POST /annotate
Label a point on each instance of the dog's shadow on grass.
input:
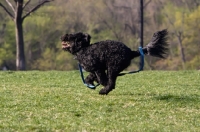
(178, 98)
(167, 97)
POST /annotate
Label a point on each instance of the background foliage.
(113, 19)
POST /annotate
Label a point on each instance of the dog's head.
(75, 42)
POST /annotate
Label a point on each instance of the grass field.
(149, 101)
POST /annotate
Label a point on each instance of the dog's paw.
(104, 91)
(87, 81)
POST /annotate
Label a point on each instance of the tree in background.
(103, 19)
(15, 11)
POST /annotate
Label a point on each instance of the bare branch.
(196, 3)
(10, 5)
(26, 3)
(170, 21)
(147, 3)
(131, 28)
(122, 7)
(9, 13)
(36, 7)
(107, 24)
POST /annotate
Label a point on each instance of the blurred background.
(102, 19)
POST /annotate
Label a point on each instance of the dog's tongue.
(65, 45)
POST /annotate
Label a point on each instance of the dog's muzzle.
(65, 45)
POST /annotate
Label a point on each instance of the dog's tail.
(157, 47)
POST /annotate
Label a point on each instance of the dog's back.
(106, 54)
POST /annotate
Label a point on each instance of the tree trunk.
(20, 57)
(18, 19)
(181, 50)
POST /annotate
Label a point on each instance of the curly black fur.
(106, 59)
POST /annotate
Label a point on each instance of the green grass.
(149, 101)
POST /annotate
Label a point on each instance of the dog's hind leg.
(112, 76)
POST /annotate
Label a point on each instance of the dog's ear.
(87, 38)
(64, 37)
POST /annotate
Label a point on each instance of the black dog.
(106, 59)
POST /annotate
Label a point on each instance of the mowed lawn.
(149, 101)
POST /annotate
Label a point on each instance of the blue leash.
(82, 77)
(141, 63)
(121, 74)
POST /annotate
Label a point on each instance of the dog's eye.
(65, 43)
(68, 43)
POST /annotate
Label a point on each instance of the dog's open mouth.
(65, 45)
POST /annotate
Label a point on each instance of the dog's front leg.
(101, 77)
(91, 78)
